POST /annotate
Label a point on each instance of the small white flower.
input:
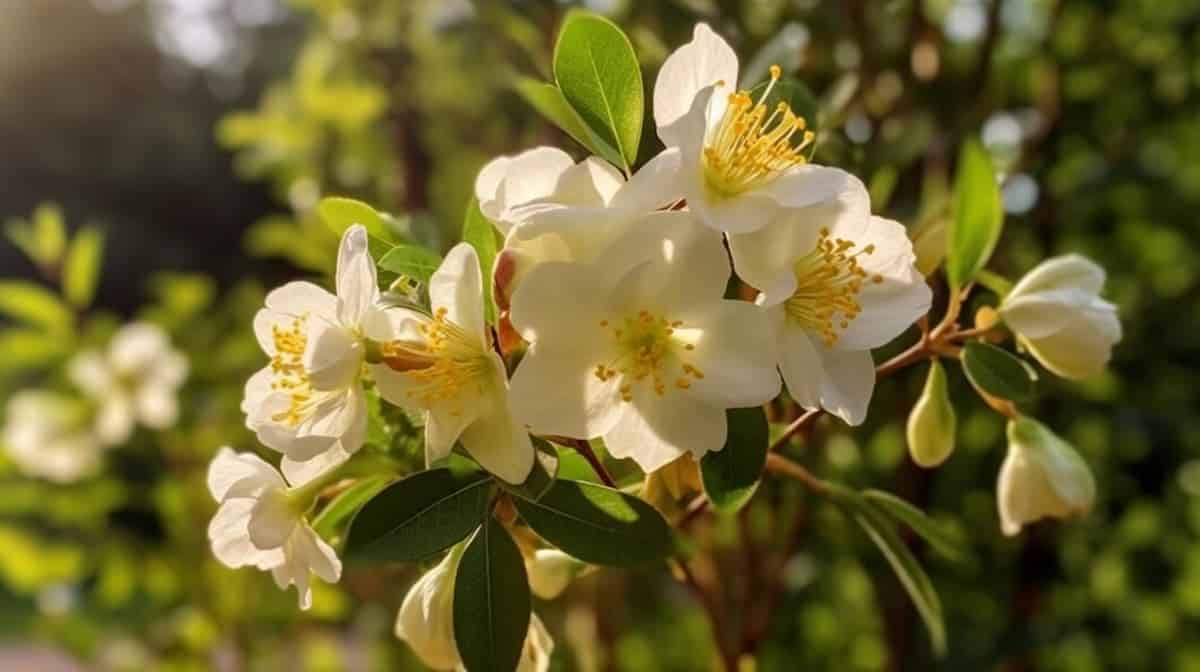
(647, 354)
(738, 162)
(308, 402)
(1041, 477)
(1058, 315)
(135, 381)
(46, 436)
(258, 525)
(444, 365)
(836, 282)
(550, 572)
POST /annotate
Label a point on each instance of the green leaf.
(412, 261)
(345, 505)
(798, 97)
(939, 539)
(998, 372)
(598, 73)
(491, 602)
(731, 475)
(27, 349)
(995, 282)
(978, 217)
(418, 516)
(34, 305)
(342, 213)
(548, 100)
(598, 524)
(49, 233)
(81, 270)
(479, 233)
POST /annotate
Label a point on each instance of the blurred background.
(196, 136)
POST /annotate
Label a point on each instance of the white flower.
(308, 402)
(550, 572)
(426, 622)
(836, 282)
(45, 435)
(645, 354)
(136, 380)
(445, 365)
(257, 524)
(738, 161)
(1041, 477)
(1058, 315)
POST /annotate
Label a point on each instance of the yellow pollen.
(287, 368)
(647, 349)
(752, 145)
(442, 364)
(828, 282)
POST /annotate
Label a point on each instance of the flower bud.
(426, 618)
(539, 645)
(1041, 477)
(932, 422)
(550, 571)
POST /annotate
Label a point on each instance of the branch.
(585, 449)
(781, 465)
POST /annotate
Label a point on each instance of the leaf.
(731, 475)
(597, 524)
(349, 502)
(978, 217)
(598, 73)
(27, 349)
(342, 213)
(479, 233)
(418, 516)
(998, 372)
(49, 233)
(798, 97)
(548, 100)
(491, 602)
(995, 282)
(411, 260)
(939, 539)
(34, 305)
(81, 270)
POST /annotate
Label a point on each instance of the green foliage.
(491, 601)
(347, 504)
(412, 261)
(997, 372)
(35, 306)
(731, 474)
(549, 101)
(941, 540)
(81, 269)
(479, 233)
(978, 217)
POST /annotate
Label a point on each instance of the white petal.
(157, 406)
(170, 370)
(654, 430)
(91, 373)
(487, 185)
(555, 300)
(539, 646)
(509, 182)
(1042, 476)
(297, 299)
(318, 555)
(332, 356)
(343, 417)
(798, 361)
(426, 618)
(555, 391)
(848, 379)
(736, 352)
(135, 346)
(1069, 271)
(298, 473)
(655, 185)
(687, 265)
(443, 427)
(229, 538)
(1082, 348)
(271, 520)
(592, 181)
(499, 445)
(895, 302)
(457, 287)
(704, 61)
(809, 184)
(357, 285)
(232, 474)
(114, 419)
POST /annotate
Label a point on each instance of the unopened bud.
(550, 571)
(426, 617)
(986, 318)
(1042, 477)
(932, 422)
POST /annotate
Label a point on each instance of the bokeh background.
(198, 135)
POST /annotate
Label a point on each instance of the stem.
(713, 611)
(585, 449)
(781, 465)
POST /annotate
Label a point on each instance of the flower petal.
(703, 62)
(500, 445)
(847, 381)
(90, 372)
(809, 184)
(229, 538)
(300, 472)
(654, 430)
(736, 353)
(298, 298)
(232, 474)
(555, 391)
(332, 356)
(899, 297)
(357, 285)
(157, 406)
(1081, 349)
(457, 287)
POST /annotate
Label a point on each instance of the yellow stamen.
(442, 364)
(647, 349)
(828, 282)
(287, 367)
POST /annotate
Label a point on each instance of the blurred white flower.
(1058, 315)
(646, 354)
(1042, 477)
(46, 435)
(836, 282)
(445, 366)
(737, 162)
(135, 381)
(259, 525)
(308, 402)
(550, 572)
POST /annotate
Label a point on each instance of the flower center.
(749, 147)
(441, 365)
(828, 282)
(647, 348)
(287, 365)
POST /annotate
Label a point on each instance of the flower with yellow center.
(639, 347)
(308, 401)
(836, 282)
(736, 159)
(443, 364)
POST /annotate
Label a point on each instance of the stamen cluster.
(828, 282)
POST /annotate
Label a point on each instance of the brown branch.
(778, 464)
(713, 611)
(585, 449)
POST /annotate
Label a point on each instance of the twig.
(585, 449)
(781, 465)
(712, 609)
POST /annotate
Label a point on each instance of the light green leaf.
(81, 270)
(491, 601)
(49, 233)
(548, 100)
(978, 217)
(342, 213)
(998, 372)
(349, 502)
(598, 524)
(731, 475)
(418, 516)
(479, 233)
(412, 261)
(995, 282)
(28, 349)
(34, 305)
(939, 539)
(598, 73)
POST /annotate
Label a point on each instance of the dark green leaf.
(418, 516)
(998, 372)
(491, 602)
(731, 474)
(978, 217)
(598, 524)
(598, 73)
(939, 539)
(479, 233)
(412, 261)
(81, 269)
(345, 505)
(548, 100)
